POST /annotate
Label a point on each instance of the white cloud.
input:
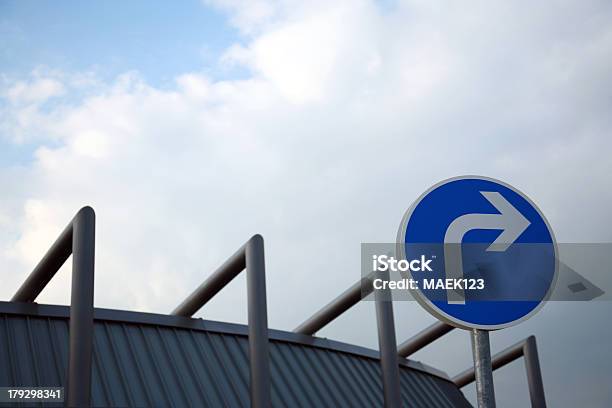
(350, 112)
(346, 105)
(35, 91)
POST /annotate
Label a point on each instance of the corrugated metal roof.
(143, 359)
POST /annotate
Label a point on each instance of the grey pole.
(388, 347)
(534, 374)
(78, 239)
(213, 285)
(336, 307)
(250, 257)
(526, 348)
(481, 352)
(497, 361)
(81, 309)
(46, 269)
(423, 338)
(258, 323)
(386, 331)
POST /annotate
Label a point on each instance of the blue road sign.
(494, 254)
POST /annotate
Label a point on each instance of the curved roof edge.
(57, 311)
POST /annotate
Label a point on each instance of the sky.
(189, 126)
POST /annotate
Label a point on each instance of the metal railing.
(335, 308)
(386, 332)
(527, 349)
(387, 345)
(250, 257)
(78, 239)
(423, 338)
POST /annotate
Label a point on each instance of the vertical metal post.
(481, 352)
(78, 386)
(258, 323)
(388, 347)
(534, 374)
(250, 257)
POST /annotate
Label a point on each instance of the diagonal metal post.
(336, 307)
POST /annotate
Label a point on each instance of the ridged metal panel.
(144, 364)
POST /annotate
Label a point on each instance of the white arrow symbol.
(509, 220)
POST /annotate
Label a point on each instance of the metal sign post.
(481, 352)
(484, 230)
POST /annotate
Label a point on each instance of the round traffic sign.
(494, 255)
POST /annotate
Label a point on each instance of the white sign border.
(433, 309)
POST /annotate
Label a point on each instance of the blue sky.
(157, 38)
